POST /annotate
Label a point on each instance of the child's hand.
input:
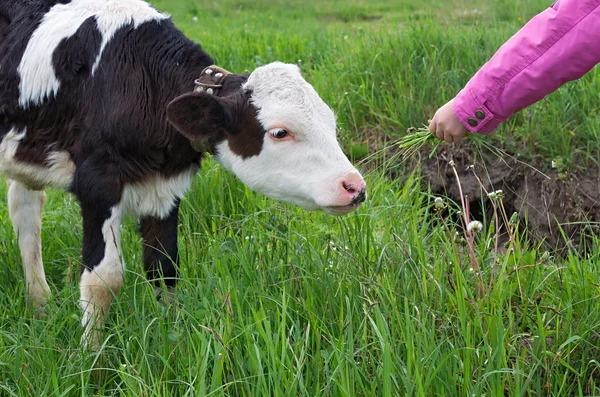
(446, 126)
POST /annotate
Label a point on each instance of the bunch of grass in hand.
(411, 144)
(415, 140)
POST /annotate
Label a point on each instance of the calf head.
(275, 133)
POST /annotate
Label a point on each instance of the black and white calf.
(108, 100)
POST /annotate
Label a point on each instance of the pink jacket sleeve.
(559, 45)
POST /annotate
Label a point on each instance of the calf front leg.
(102, 268)
(25, 211)
(161, 257)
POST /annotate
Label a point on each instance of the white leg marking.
(99, 286)
(25, 209)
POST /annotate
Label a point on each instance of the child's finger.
(432, 126)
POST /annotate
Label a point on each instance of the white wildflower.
(497, 195)
(558, 164)
(195, 18)
(438, 204)
(474, 227)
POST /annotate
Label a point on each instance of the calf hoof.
(37, 299)
(40, 313)
(91, 338)
(166, 296)
(37, 302)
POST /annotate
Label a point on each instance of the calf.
(108, 100)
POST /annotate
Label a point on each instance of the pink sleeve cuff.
(472, 112)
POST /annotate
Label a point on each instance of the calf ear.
(198, 116)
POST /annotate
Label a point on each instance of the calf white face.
(277, 135)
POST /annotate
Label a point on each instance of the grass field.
(387, 301)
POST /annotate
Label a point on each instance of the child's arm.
(556, 46)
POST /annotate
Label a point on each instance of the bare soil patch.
(557, 209)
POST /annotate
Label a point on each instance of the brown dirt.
(546, 202)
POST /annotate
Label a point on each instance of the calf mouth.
(341, 209)
(344, 209)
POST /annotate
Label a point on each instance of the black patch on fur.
(98, 193)
(161, 256)
(206, 118)
(19, 19)
(246, 134)
(74, 57)
(199, 116)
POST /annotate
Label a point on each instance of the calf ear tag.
(198, 116)
(211, 80)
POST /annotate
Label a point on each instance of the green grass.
(274, 301)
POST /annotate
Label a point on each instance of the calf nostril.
(349, 187)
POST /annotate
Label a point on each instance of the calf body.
(97, 97)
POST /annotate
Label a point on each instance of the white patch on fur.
(99, 286)
(156, 195)
(119, 13)
(25, 211)
(58, 173)
(62, 169)
(10, 143)
(307, 171)
(38, 78)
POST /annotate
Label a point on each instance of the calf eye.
(278, 133)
